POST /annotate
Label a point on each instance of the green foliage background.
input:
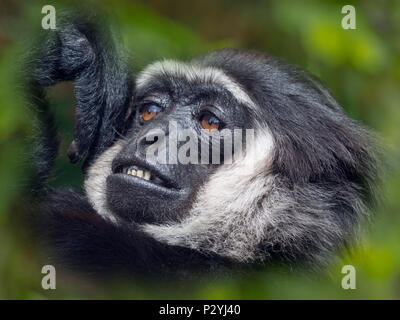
(361, 67)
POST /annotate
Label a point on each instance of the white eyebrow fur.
(193, 72)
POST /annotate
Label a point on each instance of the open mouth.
(141, 173)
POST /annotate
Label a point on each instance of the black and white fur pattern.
(298, 194)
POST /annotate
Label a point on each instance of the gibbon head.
(297, 186)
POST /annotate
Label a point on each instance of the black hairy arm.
(81, 239)
(82, 50)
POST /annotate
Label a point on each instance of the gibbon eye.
(150, 111)
(210, 122)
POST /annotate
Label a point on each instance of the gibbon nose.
(153, 137)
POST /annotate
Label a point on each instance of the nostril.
(146, 140)
(150, 138)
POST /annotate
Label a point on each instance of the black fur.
(315, 140)
(81, 239)
(84, 51)
(323, 160)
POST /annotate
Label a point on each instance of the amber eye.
(210, 123)
(150, 111)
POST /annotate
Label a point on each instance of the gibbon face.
(164, 106)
